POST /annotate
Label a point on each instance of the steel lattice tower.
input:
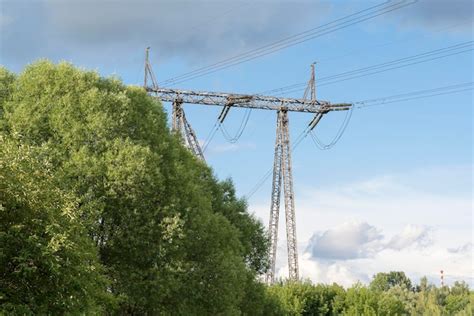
(282, 167)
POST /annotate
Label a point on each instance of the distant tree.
(424, 285)
(361, 300)
(384, 281)
(458, 298)
(304, 298)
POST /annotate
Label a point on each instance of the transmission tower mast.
(282, 167)
(282, 171)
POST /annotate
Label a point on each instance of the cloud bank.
(352, 240)
(190, 31)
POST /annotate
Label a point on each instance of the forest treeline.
(104, 212)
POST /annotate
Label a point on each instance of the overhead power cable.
(240, 131)
(341, 23)
(451, 89)
(323, 146)
(389, 43)
(210, 136)
(382, 67)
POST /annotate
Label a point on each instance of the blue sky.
(402, 171)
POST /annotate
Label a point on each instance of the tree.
(7, 80)
(252, 234)
(458, 298)
(48, 264)
(384, 281)
(171, 237)
(361, 300)
(304, 298)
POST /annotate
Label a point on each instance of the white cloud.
(353, 239)
(413, 255)
(411, 235)
(349, 240)
(418, 221)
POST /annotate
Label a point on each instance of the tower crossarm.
(254, 101)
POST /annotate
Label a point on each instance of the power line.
(210, 136)
(321, 145)
(327, 28)
(384, 70)
(461, 87)
(383, 67)
(249, 52)
(240, 131)
(358, 51)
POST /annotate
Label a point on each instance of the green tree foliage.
(48, 264)
(296, 298)
(384, 281)
(172, 239)
(303, 298)
(7, 80)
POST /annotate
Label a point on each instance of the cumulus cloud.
(353, 240)
(411, 235)
(349, 240)
(359, 251)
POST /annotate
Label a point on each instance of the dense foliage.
(387, 294)
(102, 211)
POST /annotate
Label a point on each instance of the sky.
(394, 193)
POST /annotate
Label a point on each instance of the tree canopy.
(167, 236)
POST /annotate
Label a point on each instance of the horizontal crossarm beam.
(246, 101)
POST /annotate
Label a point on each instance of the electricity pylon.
(282, 167)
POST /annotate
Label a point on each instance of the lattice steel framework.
(181, 126)
(282, 172)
